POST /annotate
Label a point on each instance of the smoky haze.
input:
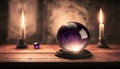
(60, 12)
(14, 26)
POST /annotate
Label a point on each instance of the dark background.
(112, 20)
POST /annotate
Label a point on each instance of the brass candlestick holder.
(102, 43)
(21, 44)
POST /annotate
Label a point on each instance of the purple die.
(36, 45)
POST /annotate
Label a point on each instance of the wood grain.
(46, 53)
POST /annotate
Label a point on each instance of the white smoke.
(60, 12)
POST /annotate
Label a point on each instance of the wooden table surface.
(46, 53)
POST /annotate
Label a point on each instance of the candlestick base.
(69, 55)
(102, 44)
(22, 44)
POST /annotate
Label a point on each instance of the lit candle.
(101, 25)
(22, 25)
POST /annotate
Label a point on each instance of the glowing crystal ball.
(73, 37)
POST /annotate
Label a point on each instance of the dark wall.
(112, 29)
(3, 20)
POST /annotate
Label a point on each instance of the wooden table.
(46, 54)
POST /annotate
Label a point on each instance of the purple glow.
(73, 36)
(36, 45)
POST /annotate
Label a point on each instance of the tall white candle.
(101, 25)
(22, 25)
(101, 30)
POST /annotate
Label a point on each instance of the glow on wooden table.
(46, 53)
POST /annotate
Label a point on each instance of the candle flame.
(23, 19)
(101, 16)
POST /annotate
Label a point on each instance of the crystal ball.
(73, 37)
